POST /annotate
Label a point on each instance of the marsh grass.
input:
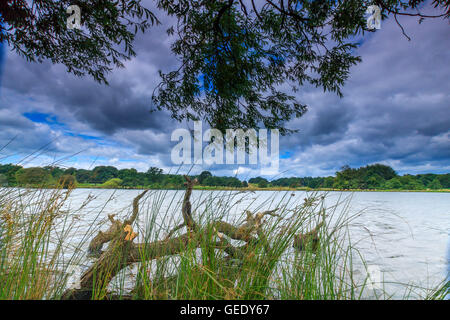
(41, 237)
(36, 249)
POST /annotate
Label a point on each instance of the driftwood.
(121, 252)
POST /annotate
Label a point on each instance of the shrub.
(435, 184)
(262, 184)
(112, 183)
(67, 181)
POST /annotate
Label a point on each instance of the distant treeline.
(375, 176)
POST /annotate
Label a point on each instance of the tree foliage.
(101, 174)
(32, 176)
(257, 180)
(3, 180)
(38, 31)
(205, 174)
(240, 61)
(435, 184)
(376, 176)
(9, 171)
(262, 184)
(368, 177)
(67, 181)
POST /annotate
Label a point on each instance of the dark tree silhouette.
(239, 60)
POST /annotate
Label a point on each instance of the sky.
(395, 111)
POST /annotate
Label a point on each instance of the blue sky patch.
(286, 155)
(83, 136)
(40, 117)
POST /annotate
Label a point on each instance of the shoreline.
(272, 189)
(206, 188)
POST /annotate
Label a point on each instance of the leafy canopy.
(37, 30)
(240, 60)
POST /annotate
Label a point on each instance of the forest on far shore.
(370, 177)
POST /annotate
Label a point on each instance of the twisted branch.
(122, 252)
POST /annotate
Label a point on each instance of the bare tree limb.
(186, 208)
(135, 208)
(122, 252)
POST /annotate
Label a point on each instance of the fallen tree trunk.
(121, 252)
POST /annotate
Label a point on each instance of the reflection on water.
(403, 234)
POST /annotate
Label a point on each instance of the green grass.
(254, 187)
(37, 247)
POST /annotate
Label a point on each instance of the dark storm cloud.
(125, 104)
(148, 142)
(396, 105)
(104, 108)
(117, 115)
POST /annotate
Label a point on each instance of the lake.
(403, 236)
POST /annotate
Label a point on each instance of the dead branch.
(122, 252)
(135, 208)
(96, 244)
(186, 208)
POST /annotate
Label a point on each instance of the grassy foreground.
(41, 240)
